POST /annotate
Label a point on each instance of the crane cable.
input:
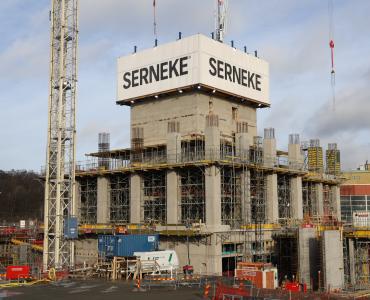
(331, 45)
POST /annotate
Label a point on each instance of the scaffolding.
(89, 195)
(309, 199)
(103, 146)
(192, 148)
(328, 201)
(284, 197)
(333, 160)
(315, 156)
(154, 197)
(231, 205)
(192, 190)
(362, 264)
(258, 197)
(119, 191)
(286, 249)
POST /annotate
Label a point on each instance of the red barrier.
(17, 272)
(223, 290)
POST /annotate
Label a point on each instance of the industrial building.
(355, 208)
(198, 174)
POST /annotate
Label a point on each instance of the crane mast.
(221, 19)
(60, 157)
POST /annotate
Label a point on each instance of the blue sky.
(292, 35)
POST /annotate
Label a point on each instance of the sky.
(292, 35)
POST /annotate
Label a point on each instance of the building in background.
(355, 196)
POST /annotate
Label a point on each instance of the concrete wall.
(86, 251)
(308, 257)
(332, 260)
(190, 110)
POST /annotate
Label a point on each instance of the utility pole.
(60, 157)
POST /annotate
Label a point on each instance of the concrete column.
(335, 190)
(212, 138)
(242, 144)
(213, 196)
(135, 198)
(103, 201)
(214, 256)
(173, 147)
(172, 197)
(295, 156)
(272, 206)
(269, 148)
(246, 197)
(77, 201)
(296, 197)
(351, 254)
(320, 199)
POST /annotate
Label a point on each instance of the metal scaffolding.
(60, 158)
(231, 205)
(258, 197)
(362, 264)
(192, 148)
(284, 197)
(193, 199)
(119, 190)
(154, 197)
(89, 196)
(356, 255)
(309, 198)
(328, 201)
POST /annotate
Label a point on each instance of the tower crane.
(221, 19)
(60, 156)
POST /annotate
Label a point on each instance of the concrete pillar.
(295, 156)
(246, 197)
(351, 258)
(103, 201)
(214, 256)
(172, 197)
(296, 197)
(173, 147)
(269, 148)
(320, 199)
(213, 196)
(77, 201)
(135, 198)
(242, 144)
(212, 138)
(272, 206)
(335, 190)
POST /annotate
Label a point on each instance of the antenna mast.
(60, 157)
(221, 19)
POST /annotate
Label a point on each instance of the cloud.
(292, 35)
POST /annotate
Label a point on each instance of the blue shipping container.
(128, 244)
(70, 228)
(107, 245)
